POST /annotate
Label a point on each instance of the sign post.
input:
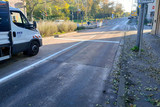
(145, 1)
(141, 22)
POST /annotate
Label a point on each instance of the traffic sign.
(145, 1)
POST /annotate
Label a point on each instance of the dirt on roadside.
(142, 74)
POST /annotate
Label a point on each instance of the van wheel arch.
(33, 48)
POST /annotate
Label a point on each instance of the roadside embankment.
(141, 73)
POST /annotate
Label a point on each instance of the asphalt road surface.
(69, 71)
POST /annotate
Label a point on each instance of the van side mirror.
(34, 24)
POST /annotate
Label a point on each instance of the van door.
(5, 31)
(5, 27)
(20, 38)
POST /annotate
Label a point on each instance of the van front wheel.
(33, 49)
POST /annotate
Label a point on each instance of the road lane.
(74, 78)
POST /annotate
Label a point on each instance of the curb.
(121, 89)
(78, 31)
(68, 33)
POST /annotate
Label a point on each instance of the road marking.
(102, 41)
(129, 27)
(115, 27)
(135, 27)
(10, 76)
(123, 23)
(126, 22)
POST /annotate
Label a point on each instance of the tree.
(95, 8)
(54, 9)
(31, 4)
(119, 10)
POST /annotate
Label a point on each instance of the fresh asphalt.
(68, 72)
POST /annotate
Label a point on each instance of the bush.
(72, 26)
(47, 28)
(63, 27)
(109, 18)
(50, 28)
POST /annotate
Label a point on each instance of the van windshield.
(4, 22)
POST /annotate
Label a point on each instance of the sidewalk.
(141, 74)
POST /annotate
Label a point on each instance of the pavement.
(69, 71)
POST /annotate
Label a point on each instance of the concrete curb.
(68, 33)
(121, 88)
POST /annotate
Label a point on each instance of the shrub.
(67, 26)
(63, 27)
(109, 18)
(50, 28)
(47, 28)
(72, 26)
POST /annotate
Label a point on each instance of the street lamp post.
(86, 9)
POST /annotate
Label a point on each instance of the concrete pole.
(140, 22)
(141, 37)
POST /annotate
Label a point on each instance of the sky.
(126, 4)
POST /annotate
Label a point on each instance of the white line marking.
(102, 41)
(135, 27)
(126, 22)
(115, 27)
(92, 37)
(6, 78)
(129, 27)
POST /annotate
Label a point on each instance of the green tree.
(31, 4)
(119, 10)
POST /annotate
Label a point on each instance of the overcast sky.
(126, 4)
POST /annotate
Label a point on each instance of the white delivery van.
(16, 33)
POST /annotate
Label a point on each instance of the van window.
(4, 22)
(25, 21)
(16, 19)
(19, 19)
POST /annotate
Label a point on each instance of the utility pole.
(141, 23)
(141, 27)
(86, 9)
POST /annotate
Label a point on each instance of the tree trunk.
(30, 16)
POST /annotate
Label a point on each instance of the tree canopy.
(71, 9)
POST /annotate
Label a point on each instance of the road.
(69, 71)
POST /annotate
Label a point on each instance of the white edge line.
(135, 27)
(102, 41)
(115, 27)
(4, 79)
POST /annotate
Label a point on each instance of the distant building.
(151, 11)
(156, 21)
(18, 4)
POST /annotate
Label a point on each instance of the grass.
(135, 48)
(50, 28)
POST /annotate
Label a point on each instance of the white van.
(16, 33)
